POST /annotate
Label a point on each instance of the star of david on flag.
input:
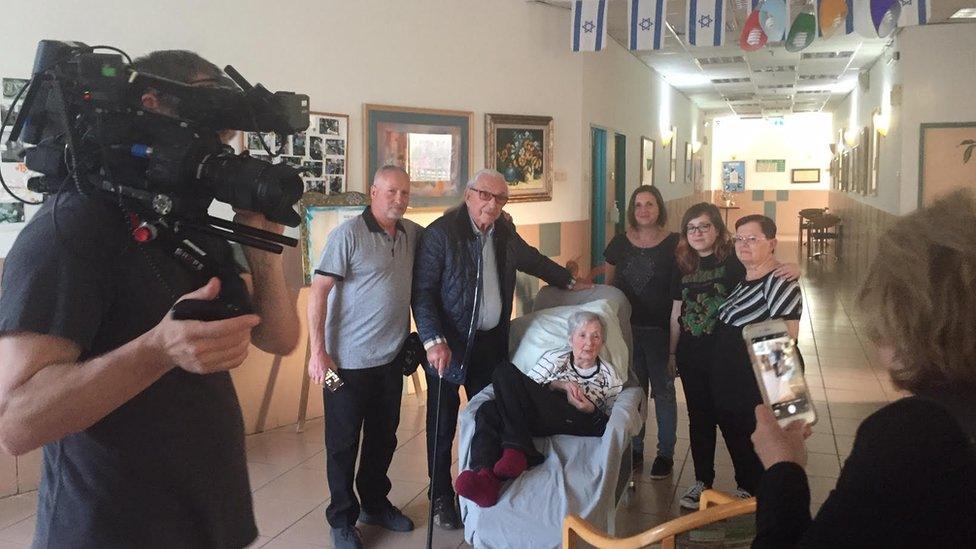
(589, 25)
(914, 12)
(705, 22)
(646, 21)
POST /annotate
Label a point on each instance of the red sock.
(511, 465)
(481, 487)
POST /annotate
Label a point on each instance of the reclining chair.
(585, 476)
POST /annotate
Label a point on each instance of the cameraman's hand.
(318, 364)
(439, 357)
(204, 347)
(257, 221)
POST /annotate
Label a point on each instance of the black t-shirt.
(644, 276)
(165, 469)
(702, 294)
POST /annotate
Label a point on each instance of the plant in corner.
(970, 145)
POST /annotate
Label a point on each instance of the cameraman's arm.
(279, 329)
(273, 302)
(45, 394)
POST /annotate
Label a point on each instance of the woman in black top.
(640, 262)
(760, 296)
(910, 480)
(707, 271)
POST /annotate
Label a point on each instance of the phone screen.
(781, 371)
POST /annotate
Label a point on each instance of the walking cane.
(433, 471)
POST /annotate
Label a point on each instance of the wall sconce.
(695, 147)
(882, 122)
(667, 136)
(850, 137)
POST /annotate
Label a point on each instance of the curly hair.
(686, 257)
(921, 291)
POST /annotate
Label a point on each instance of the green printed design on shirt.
(700, 313)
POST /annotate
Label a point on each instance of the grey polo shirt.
(369, 306)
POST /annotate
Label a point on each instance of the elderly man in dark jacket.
(463, 285)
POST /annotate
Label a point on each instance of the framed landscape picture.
(520, 147)
(320, 215)
(320, 152)
(433, 146)
(647, 161)
(811, 175)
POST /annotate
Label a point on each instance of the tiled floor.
(288, 469)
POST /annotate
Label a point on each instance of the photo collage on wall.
(14, 170)
(320, 152)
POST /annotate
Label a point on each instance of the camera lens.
(250, 184)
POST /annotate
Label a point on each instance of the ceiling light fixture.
(964, 13)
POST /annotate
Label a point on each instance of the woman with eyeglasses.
(640, 263)
(707, 271)
(760, 296)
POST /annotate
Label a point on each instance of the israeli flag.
(647, 19)
(914, 12)
(705, 22)
(589, 25)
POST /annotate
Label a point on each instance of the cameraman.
(142, 431)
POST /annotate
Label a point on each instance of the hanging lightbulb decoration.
(833, 16)
(803, 31)
(752, 38)
(884, 15)
(774, 18)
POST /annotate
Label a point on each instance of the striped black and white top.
(762, 299)
(600, 383)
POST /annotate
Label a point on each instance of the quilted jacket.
(447, 277)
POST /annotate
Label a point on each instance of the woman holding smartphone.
(707, 271)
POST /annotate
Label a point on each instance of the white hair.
(487, 172)
(582, 318)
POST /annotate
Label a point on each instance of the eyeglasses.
(700, 229)
(501, 199)
(748, 240)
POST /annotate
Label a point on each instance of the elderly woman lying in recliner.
(570, 391)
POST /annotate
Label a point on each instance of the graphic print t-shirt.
(703, 292)
(644, 276)
(600, 383)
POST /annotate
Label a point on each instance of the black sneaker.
(662, 467)
(446, 514)
(347, 537)
(390, 518)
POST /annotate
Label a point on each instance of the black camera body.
(87, 131)
(90, 104)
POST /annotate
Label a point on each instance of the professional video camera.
(86, 131)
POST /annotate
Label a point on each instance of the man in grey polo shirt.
(359, 317)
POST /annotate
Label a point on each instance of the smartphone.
(779, 371)
(332, 381)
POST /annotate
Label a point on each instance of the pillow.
(535, 334)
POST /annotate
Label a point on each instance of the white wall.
(937, 73)
(507, 56)
(802, 140)
(622, 97)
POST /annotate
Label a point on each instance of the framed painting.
(520, 147)
(734, 176)
(689, 155)
(433, 146)
(647, 161)
(805, 175)
(770, 165)
(876, 139)
(945, 159)
(321, 152)
(320, 215)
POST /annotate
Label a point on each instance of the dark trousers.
(522, 409)
(735, 395)
(368, 402)
(695, 369)
(651, 366)
(489, 349)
